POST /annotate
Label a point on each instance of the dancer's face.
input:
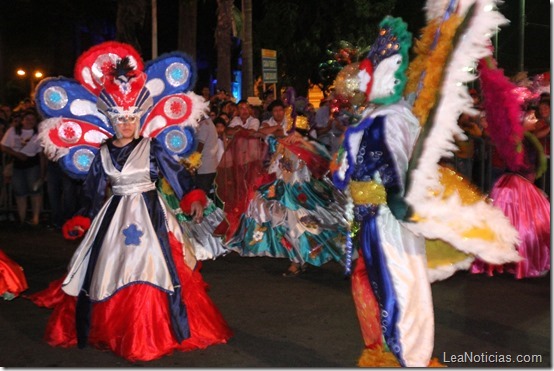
(126, 126)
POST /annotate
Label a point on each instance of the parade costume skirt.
(12, 278)
(302, 222)
(528, 209)
(134, 322)
(205, 243)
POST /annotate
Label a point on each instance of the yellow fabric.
(440, 254)
(302, 123)
(455, 183)
(364, 193)
(288, 117)
(484, 233)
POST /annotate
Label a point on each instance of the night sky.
(45, 34)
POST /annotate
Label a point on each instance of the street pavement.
(307, 321)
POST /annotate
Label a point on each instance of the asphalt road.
(307, 321)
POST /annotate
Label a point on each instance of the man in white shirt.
(206, 134)
(244, 121)
(277, 124)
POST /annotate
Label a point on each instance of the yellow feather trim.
(421, 49)
(166, 188)
(192, 162)
(433, 64)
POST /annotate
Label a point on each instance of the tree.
(247, 57)
(130, 15)
(302, 31)
(188, 19)
(223, 40)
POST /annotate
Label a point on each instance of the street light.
(37, 75)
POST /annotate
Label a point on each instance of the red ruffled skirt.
(135, 322)
(12, 278)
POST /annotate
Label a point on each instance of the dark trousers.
(206, 183)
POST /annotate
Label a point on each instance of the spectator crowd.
(36, 192)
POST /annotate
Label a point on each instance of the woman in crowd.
(29, 165)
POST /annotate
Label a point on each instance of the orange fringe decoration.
(433, 64)
(435, 363)
(379, 358)
(334, 165)
(421, 50)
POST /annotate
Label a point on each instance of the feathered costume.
(526, 206)
(299, 215)
(133, 285)
(389, 165)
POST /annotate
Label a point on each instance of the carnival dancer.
(373, 169)
(241, 169)
(387, 159)
(133, 284)
(526, 206)
(299, 214)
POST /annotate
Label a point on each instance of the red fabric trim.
(367, 307)
(69, 228)
(49, 297)
(191, 197)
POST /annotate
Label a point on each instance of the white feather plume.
(449, 219)
(51, 150)
(200, 108)
(435, 9)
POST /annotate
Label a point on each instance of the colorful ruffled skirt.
(528, 209)
(134, 323)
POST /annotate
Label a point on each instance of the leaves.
(302, 31)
